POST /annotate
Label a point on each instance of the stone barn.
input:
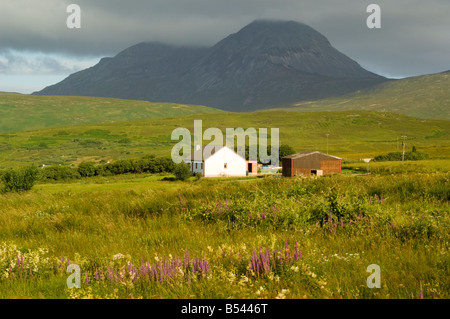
(310, 163)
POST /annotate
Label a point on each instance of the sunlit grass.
(399, 222)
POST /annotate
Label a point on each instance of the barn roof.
(308, 153)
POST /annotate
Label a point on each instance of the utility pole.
(327, 142)
(403, 146)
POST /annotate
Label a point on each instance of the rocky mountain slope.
(265, 64)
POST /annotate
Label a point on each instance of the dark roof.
(308, 153)
(213, 148)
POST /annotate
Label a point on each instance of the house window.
(201, 165)
(196, 165)
(225, 165)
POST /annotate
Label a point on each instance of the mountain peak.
(265, 64)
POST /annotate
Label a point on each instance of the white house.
(213, 161)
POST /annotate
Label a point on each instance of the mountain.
(267, 63)
(424, 96)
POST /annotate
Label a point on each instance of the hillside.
(352, 135)
(265, 64)
(426, 96)
(20, 112)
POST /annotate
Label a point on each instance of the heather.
(138, 236)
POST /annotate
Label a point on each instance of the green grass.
(425, 166)
(399, 222)
(19, 112)
(352, 135)
(426, 96)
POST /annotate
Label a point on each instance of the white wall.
(236, 165)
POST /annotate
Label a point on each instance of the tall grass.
(211, 238)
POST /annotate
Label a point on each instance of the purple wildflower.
(421, 291)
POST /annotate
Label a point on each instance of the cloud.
(414, 37)
(26, 63)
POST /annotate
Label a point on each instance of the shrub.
(182, 172)
(16, 180)
(397, 156)
(86, 169)
(58, 173)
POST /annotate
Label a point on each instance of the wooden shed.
(310, 163)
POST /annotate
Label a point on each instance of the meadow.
(137, 236)
(23, 112)
(351, 135)
(425, 96)
(143, 236)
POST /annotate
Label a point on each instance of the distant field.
(426, 96)
(352, 135)
(426, 166)
(20, 112)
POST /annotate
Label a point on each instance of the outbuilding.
(309, 163)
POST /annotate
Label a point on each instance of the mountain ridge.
(267, 63)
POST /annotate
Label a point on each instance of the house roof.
(211, 148)
(308, 153)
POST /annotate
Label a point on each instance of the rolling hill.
(265, 64)
(426, 96)
(352, 135)
(20, 112)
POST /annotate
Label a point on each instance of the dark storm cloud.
(414, 38)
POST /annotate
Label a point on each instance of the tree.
(182, 171)
(285, 150)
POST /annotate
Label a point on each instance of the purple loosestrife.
(110, 273)
(267, 261)
(298, 253)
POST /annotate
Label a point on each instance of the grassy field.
(135, 236)
(426, 96)
(20, 112)
(352, 135)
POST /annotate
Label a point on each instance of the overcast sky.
(37, 49)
